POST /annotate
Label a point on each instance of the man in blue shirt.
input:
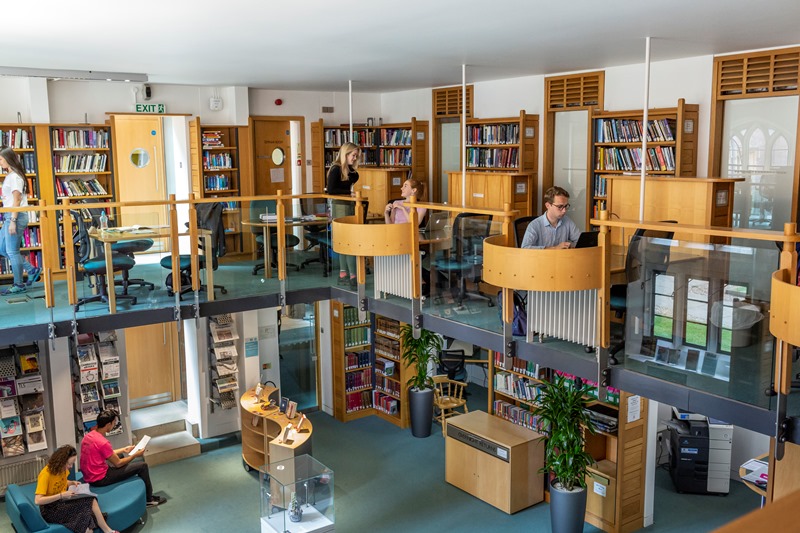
(554, 229)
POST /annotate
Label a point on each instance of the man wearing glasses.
(554, 229)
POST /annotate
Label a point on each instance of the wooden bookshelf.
(391, 390)
(399, 147)
(352, 364)
(22, 138)
(617, 146)
(502, 161)
(619, 454)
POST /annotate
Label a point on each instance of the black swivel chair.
(520, 225)
(209, 217)
(462, 261)
(257, 208)
(638, 261)
(452, 363)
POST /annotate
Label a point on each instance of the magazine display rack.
(223, 360)
(95, 376)
(22, 401)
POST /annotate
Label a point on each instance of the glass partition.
(309, 252)
(697, 314)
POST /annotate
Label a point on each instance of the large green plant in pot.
(563, 419)
(417, 352)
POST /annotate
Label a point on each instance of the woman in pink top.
(396, 212)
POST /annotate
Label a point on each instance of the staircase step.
(159, 429)
(171, 447)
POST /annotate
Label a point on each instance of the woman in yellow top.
(58, 504)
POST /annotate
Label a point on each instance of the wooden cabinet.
(378, 186)
(263, 431)
(398, 147)
(492, 190)
(617, 146)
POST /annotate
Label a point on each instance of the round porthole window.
(139, 157)
(278, 156)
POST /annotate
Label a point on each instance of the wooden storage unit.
(390, 398)
(492, 190)
(349, 336)
(23, 138)
(615, 498)
(399, 147)
(617, 146)
(262, 431)
(687, 200)
(219, 170)
(378, 186)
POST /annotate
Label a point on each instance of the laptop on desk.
(436, 222)
(587, 239)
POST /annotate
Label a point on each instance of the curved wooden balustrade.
(351, 238)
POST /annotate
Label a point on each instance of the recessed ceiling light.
(72, 74)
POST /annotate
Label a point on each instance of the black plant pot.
(567, 509)
(420, 403)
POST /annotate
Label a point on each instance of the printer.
(700, 453)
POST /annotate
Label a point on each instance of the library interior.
(297, 348)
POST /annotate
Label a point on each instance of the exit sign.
(151, 108)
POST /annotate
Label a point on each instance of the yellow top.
(49, 484)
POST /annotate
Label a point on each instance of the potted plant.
(564, 421)
(417, 352)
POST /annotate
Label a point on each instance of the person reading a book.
(342, 175)
(554, 229)
(102, 465)
(396, 212)
(60, 505)
(14, 193)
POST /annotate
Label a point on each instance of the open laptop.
(587, 239)
(436, 222)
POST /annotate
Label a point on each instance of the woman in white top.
(14, 223)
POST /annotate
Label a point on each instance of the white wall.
(16, 98)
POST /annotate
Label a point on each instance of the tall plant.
(418, 352)
(563, 418)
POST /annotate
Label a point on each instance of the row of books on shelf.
(350, 317)
(387, 326)
(599, 186)
(395, 137)
(516, 364)
(356, 337)
(384, 367)
(220, 182)
(79, 138)
(80, 163)
(28, 162)
(493, 134)
(18, 138)
(493, 157)
(626, 130)
(358, 379)
(358, 401)
(658, 158)
(385, 403)
(31, 237)
(394, 157)
(80, 187)
(354, 360)
(211, 139)
(602, 421)
(387, 347)
(34, 256)
(216, 161)
(337, 137)
(230, 206)
(518, 387)
(518, 414)
(612, 394)
(599, 205)
(389, 386)
(367, 158)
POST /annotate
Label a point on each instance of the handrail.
(711, 231)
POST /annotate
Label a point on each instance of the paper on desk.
(755, 464)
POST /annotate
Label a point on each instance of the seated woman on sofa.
(59, 505)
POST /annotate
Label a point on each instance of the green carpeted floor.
(386, 481)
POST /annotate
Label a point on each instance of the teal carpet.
(386, 481)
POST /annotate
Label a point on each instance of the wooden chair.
(448, 395)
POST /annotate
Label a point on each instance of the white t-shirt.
(13, 182)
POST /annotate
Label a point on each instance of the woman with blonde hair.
(58, 504)
(342, 175)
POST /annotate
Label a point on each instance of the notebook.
(587, 239)
(437, 222)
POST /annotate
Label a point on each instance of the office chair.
(93, 262)
(452, 363)
(520, 225)
(209, 217)
(469, 231)
(130, 248)
(448, 395)
(312, 235)
(257, 208)
(654, 257)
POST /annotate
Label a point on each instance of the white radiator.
(393, 276)
(570, 315)
(21, 473)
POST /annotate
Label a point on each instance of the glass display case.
(297, 496)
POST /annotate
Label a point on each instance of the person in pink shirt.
(102, 465)
(396, 212)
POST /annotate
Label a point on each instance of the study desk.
(761, 491)
(113, 235)
(266, 228)
(263, 429)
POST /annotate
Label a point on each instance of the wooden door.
(153, 359)
(270, 134)
(140, 177)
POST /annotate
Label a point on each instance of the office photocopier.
(700, 453)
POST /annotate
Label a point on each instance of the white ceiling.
(383, 46)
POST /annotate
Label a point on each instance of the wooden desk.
(113, 235)
(262, 430)
(761, 491)
(266, 228)
(506, 475)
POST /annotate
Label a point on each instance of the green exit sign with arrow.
(151, 108)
